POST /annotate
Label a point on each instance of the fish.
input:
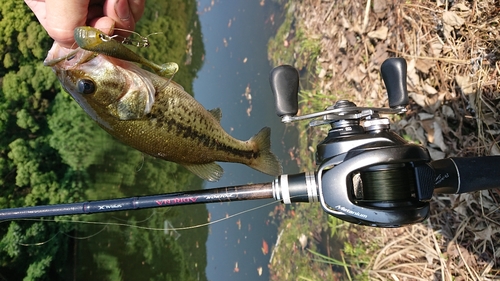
(94, 40)
(154, 114)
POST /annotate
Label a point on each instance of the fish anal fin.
(267, 162)
(216, 113)
(209, 171)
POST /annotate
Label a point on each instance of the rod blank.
(221, 194)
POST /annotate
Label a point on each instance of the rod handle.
(460, 175)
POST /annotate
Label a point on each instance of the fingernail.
(122, 10)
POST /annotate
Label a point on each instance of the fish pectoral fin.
(217, 113)
(209, 171)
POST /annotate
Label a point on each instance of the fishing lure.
(94, 40)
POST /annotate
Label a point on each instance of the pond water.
(230, 247)
(235, 37)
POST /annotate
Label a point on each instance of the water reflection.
(234, 77)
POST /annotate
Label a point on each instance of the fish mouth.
(62, 57)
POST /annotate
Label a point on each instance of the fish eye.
(85, 86)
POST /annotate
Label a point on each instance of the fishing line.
(67, 235)
(142, 43)
(387, 183)
(39, 243)
(142, 163)
(153, 213)
(106, 224)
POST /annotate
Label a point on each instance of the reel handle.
(394, 75)
(284, 81)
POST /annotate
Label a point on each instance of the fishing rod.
(366, 173)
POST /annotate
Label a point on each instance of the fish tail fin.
(267, 162)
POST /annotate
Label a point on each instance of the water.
(235, 36)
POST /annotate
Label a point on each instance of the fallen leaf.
(495, 150)
(464, 83)
(452, 19)
(380, 55)
(265, 247)
(303, 240)
(461, 7)
(429, 89)
(425, 116)
(412, 76)
(236, 269)
(484, 234)
(438, 136)
(448, 111)
(380, 33)
(436, 47)
(428, 126)
(425, 65)
(379, 7)
(435, 154)
(419, 99)
(322, 73)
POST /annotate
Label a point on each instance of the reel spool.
(385, 184)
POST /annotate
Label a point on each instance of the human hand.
(60, 18)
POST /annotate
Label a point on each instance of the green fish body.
(155, 115)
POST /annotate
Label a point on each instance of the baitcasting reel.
(367, 174)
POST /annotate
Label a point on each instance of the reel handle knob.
(394, 75)
(284, 80)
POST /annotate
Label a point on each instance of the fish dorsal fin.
(217, 113)
(209, 171)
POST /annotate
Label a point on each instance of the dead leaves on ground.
(453, 55)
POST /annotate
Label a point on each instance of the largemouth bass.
(155, 115)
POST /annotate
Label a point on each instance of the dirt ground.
(453, 54)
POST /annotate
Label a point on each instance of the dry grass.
(453, 54)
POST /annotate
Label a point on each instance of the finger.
(126, 13)
(137, 8)
(121, 14)
(61, 19)
(97, 19)
(105, 24)
(38, 8)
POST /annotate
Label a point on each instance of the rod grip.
(460, 175)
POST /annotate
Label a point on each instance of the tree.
(52, 153)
